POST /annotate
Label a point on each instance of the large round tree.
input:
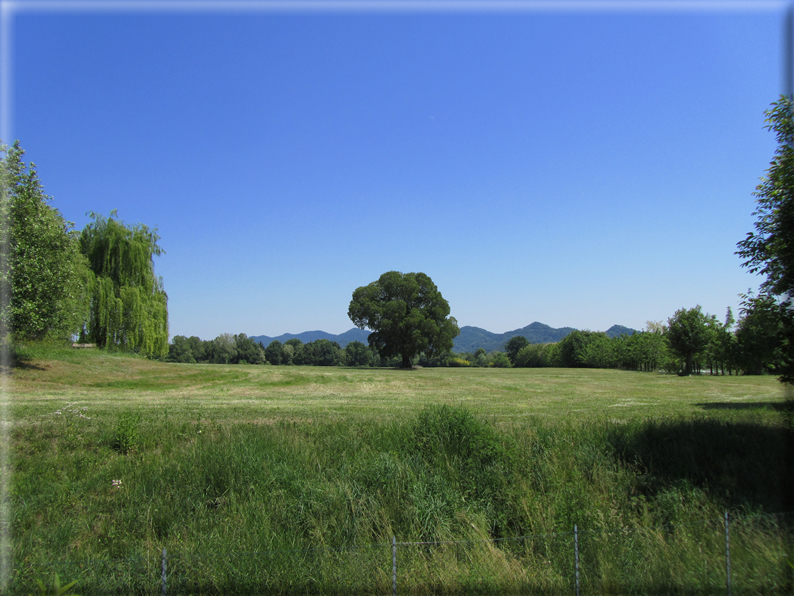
(407, 316)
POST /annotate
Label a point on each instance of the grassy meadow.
(293, 480)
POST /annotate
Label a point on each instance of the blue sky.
(579, 168)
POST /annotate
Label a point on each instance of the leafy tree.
(297, 350)
(248, 351)
(323, 352)
(600, 351)
(574, 345)
(357, 354)
(770, 250)
(128, 306)
(41, 262)
(535, 356)
(480, 357)
(758, 336)
(287, 353)
(198, 348)
(180, 350)
(500, 360)
(407, 315)
(513, 347)
(222, 349)
(274, 352)
(688, 335)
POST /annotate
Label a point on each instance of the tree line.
(97, 285)
(241, 349)
(690, 342)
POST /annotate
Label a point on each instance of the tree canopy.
(688, 334)
(769, 250)
(41, 261)
(514, 346)
(407, 316)
(128, 306)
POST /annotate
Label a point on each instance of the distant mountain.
(618, 330)
(342, 339)
(469, 340)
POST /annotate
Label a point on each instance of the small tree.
(513, 347)
(407, 315)
(688, 335)
(758, 336)
(274, 352)
(357, 354)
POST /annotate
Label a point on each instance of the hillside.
(469, 340)
(342, 339)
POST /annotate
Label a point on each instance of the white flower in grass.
(117, 483)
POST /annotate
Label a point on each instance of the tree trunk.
(406, 361)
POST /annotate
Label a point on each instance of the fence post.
(727, 554)
(576, 554)
(394, 565)
(163, 574)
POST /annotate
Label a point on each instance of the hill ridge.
(470, 339)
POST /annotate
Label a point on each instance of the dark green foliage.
(688, 335)
(532, 356)
(180, 350)
(49, 278)
(770, 250)
(357, 354)
(758, 336)
(514, 346)
(500, 360)
(574, 346)
(248, 351)
(128, 306)
(639, 351)
(407, 315)
(323, 353)
(274, 352)
(224, 349)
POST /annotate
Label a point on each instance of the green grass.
(219, 462)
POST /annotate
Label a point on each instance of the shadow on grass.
(778, 406)
(742, 464)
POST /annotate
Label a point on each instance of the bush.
(500, 360)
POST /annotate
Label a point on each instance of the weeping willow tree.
(129, 307)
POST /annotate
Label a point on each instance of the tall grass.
(228, 500)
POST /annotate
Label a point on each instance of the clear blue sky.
(575, 167)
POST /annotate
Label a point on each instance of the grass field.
(218, 462)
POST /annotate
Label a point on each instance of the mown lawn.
(106, 383)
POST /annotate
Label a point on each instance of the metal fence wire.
(731, 555)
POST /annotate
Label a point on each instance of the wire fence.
(734, 555)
